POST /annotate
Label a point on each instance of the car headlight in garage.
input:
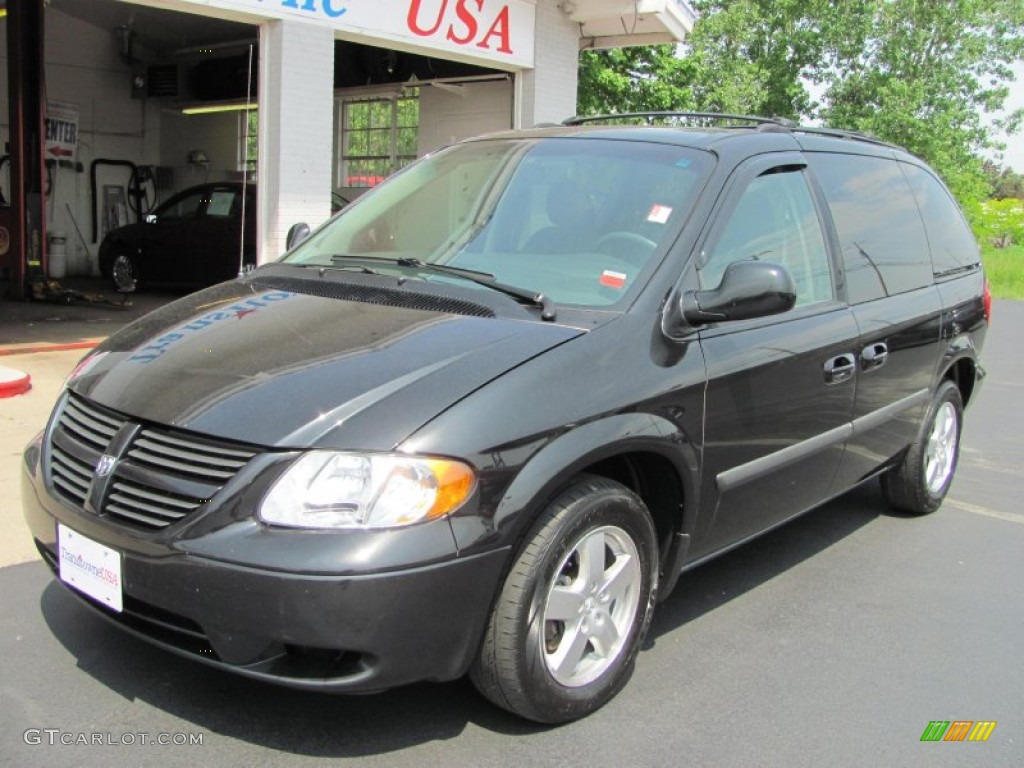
(329, 489)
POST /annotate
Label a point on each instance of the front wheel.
(123, 272)
(567, 626)
(920, 482)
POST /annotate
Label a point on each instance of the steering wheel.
(626, 245)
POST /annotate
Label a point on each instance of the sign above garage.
(493, 32)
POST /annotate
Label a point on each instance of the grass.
(1004, 268)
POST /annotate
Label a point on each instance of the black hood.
(275, 367)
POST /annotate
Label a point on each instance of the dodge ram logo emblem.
(105, 465)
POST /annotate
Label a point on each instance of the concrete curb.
(30, 349)
(13, 382)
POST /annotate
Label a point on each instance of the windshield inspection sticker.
(659, 213)
(613, 279)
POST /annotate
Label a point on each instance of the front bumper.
(346, 631)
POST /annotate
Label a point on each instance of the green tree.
(1005, 184)
(921, 73)
(754, 56)
(1000, 222)
(743, 56)
(637, 79)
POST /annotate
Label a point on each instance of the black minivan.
(483, 419)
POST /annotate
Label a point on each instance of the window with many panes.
(378, 137)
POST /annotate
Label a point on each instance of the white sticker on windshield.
(659, 213)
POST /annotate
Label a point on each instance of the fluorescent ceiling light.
(206, 109)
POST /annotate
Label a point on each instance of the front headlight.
(328, 489)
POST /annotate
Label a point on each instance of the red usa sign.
(463, 22)
(493, 32)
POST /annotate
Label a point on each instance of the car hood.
(287, 369)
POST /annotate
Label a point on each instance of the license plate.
(89, 567)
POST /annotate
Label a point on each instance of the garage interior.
(142, 102)
(166, 100)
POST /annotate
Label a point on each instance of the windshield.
(576, 220)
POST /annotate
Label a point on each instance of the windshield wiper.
(358, 267)
(486, 279)
(958, 270)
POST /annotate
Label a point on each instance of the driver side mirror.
(296, 235)
(748, 289)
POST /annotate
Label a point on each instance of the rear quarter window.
(221, 203)
(884, 246)
(952, 244)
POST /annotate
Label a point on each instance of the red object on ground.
(13, 382)
(23, 350)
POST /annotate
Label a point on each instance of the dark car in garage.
(196, 238)
(483, 419)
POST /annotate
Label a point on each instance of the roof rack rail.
(842, 133)
(780, 124)
(650, 116)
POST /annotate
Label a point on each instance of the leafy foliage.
(1004, 182)
(919, 73)
(744, 56)
(1000, 222)
(637, 79)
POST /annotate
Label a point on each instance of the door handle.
(840, 368)
(874, 356)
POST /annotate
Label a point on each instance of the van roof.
(708, 130)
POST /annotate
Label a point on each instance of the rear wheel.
(563, 636)
(920, 482)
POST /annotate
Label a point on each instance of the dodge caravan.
(482, 420)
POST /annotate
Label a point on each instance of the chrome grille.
(203, 461)
(88, 424)
(137, 504)
(71, 476)
(162, 476)
(81, 436)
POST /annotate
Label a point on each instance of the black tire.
(528, 661)
(919, 483)
(123, 271)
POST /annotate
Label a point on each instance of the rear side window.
(885, 250)
(221, 203)
(186, 207)
(952, 244)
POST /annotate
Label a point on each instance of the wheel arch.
(646, 453)
(964, 374)
(659, 484)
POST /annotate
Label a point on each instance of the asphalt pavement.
(832, 641)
